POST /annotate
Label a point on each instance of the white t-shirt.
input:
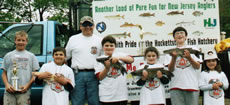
(83, 51)
(185, 76)
(213, 97)
(113, 87)
(152, 92)
(54, 93)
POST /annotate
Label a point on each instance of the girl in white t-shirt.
(213, 81)
(112, 82)
(152, 91)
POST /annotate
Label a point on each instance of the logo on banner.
(101, 27)
(210, 23)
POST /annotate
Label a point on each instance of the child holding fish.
(213, 81)
(58, 78)
(184, 88)
(113, 86)
(152, 91)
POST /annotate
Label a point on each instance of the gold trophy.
(15, 76)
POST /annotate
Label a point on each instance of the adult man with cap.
(84, 48)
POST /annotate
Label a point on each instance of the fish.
(47, 80)
(116, 65)
(142, 34)
(198, 33)
(115, 17)
(186, 23)
(126, 24)
(197, 13)
(160, 23)
(175, 13)
(119, 35)
(148, 14)
(152, 72)
(180, 51)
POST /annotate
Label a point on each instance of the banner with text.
(137, 24)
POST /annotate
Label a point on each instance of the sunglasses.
(85, 24)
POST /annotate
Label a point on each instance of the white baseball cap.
(210, 55)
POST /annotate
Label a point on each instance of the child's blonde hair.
(21, 33)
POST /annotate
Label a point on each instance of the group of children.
(59, 78)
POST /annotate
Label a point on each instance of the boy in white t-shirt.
(58, 78)
(113, 86)
(184, 84)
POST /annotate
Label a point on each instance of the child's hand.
(173, 54)
(44, 75)
(9, 88)
(145, 75)
(61, 79)
(220, 84)
(114, 60)
(107, 64)
(159, 74)
(187, 54)
(24, 88)
(215, 86)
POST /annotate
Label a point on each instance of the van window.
(61, 35)
(35, 39)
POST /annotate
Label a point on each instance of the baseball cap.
(86, 18)
(210, 55)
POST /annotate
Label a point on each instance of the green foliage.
(60, 17)
(225, 16)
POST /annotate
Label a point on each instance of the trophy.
(15, 77)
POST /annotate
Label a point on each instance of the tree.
(224, 16)
(49, 5)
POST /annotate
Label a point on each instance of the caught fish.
(197, 13)
(152, 72)
(160, 23)
(147, 14)
(142, 34)
(180, 51)
(175, 13)
(115, 17)
(47, 80)
(198, 33)
(116, 65)
(126, 24)
(119, 35)
(186, 23)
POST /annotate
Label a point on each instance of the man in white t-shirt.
(83, 48)
(184, 84)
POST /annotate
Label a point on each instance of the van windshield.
(35, 39)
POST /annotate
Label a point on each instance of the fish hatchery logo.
(101, 27)
(210, 23)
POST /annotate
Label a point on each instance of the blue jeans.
(86, 87)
